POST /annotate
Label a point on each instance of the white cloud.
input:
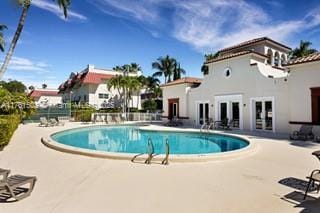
(142, 10)
(54, 8)
(24, 64)
(209, 24)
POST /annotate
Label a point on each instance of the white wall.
(44, 101)
(301, 79)
(245, 80)
(176, 91)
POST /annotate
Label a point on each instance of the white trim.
(263, 99)
(197, 109)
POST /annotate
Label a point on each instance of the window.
(227, 72)
(270, 56)
(277, 59)
(103, 96)
(283, 59)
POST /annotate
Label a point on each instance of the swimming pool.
(133, 140)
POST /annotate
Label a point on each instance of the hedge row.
(83, 115)
(8, 124)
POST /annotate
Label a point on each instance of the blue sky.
(107, 33)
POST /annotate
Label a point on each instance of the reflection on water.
(129, 139)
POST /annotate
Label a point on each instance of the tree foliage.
(13, 86)
(304, 49)
(16, 104)
(168, 67)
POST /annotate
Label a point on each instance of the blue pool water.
(130, 139)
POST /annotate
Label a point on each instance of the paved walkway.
(71, 183)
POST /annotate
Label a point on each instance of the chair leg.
(305, 194)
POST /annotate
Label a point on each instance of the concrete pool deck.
(75, 183)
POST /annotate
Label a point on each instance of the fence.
(50, 112)
(78, 115)
(137, 116)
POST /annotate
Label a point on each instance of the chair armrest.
(4, 174)
(314, 172)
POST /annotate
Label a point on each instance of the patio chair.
(117, 119)
(53, 122)
(13, 187)
(59, 122)
(4, 173)
(314, 177)
(108, 119)
(305, 133)
(44, 122)
(316, 133)
(223, 124)
(114, 119)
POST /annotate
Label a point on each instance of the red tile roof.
(85, 77)
(306, 59)
(186, 80)
(253, 41)
(95, 78)
(232, 55)
(38, 93)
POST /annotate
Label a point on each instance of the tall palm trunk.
(15, 40)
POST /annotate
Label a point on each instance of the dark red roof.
(253, 41)
(232, 55)
(95, 78)
(84, 78)
(306, 59)
(39, 93)
(186, 80)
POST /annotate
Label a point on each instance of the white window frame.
(197, 109)
(229, 99)
(252, 112)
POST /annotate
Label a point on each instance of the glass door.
(203, 113)
(263, 115)
(201, 117)
(258, 115)
(223, 111)
(174, 110)
(235, 115)
(268, 121)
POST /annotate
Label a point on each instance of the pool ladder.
(206, 127)
(150, 150)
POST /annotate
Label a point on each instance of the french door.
(203, 113)
(263, 114)
(230, 110)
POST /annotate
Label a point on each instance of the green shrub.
(150, 105)
(8, 125)
(83, 115)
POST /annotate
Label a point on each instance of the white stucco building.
(91, 86)
(253, 85)
(46, 97)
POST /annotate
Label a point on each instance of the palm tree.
(131, 68)
(152, 83)
(25, 4)
(165, 66)
(205, 69)
(2, 42)
(44, 86)
(133, 86)
(178, 71)
(116, 83)
(209, 56)
(302, 50)
(134, 68)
